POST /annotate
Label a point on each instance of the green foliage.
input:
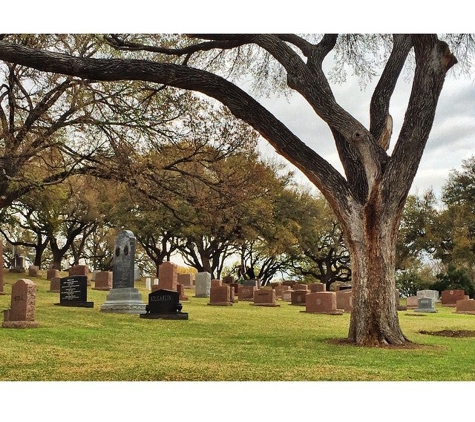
(409, 281)
(454, 278)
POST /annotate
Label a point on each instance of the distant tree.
(417, 236)
(454, 279)
(456, 228)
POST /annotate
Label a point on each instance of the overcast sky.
(452, 137)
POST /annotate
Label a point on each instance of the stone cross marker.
(23, 305)
(123, 297)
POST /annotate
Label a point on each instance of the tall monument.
(123, 297)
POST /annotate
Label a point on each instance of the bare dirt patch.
(450, 333)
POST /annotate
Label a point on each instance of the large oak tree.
(368, 200)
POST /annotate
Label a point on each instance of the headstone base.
(125, 300)
(177, 315)
(335, 312)
(20, 324)
(77, 304)
(427, 311)
(271, 305)
(201, 296)
(221, 304)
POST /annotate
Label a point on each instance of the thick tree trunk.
(374, 318)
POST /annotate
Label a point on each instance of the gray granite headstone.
(425, 304)
(124, 260)
(433, 294)
(203, 284)
(123, 297)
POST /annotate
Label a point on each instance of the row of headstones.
(425, 301)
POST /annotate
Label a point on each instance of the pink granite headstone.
(186, 280)
(411, 301)
(450, 297)
(344, 300)
(168, 276)
(318, 287)
(279, 289)
(246, 292)
(23, 305)
(51, 273)
(465, 306)
(55, 285)
(103, 280)
(80, 270)
(264, 297)
(220, 295)
(181, 292)
(297, 297)
(322, 303)
(216, 282)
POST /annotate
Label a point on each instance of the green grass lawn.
(221, 343)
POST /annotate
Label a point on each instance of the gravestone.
(412, 301)
(465, 306)
(229, 279)
(279, 289)
(23, 305)
(124, 297)
(425, 304)
(103, 280)
(246, 292)
(450, 297)
(80, 270)
(235, 288)
(34, 271)
(54, 285)
(297, 297)
(203, 284)
(51, 273)
(322, 303)
(344, 300)
(318, 287)
(148, 283)
(164, 304)
(181, 292)
(73, 292)
(168, 275)
(287, 295)
(254, 282)
(216, 282)
(186, 280)
(298, 286)
(264, 297)
(220, 296)
(18, 264)
(434, 294)
(1, 269)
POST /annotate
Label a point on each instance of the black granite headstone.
(73, 292)
(164, 304)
